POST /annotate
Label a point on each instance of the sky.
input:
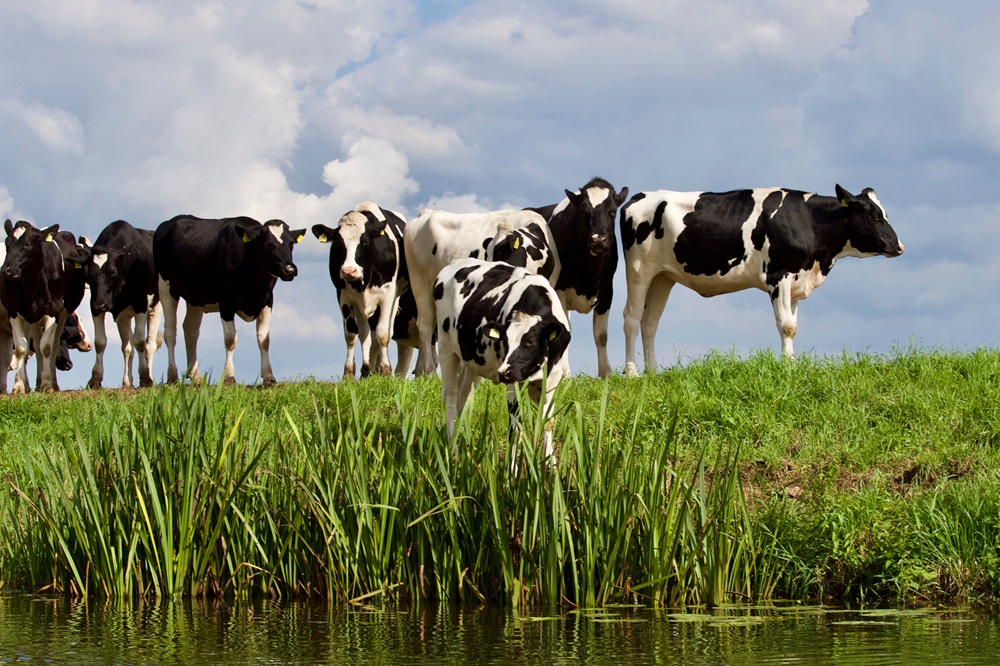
(145, 109)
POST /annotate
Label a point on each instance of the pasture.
(856, 477)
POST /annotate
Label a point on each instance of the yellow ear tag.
(323, 239)
(298, 239)
(383, 233)
(517, 242)
(494, 333)
(48, 238)
(552, 335)
(246, 238)
(843, 203)
(78, 265)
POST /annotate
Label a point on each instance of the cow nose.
(598, 244)
(11, 274)
(288, 271)
(350, 273)
(85, 346)
(504, 376)
(64, 364)
(900, 250)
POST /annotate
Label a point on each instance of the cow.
(368, 270)
(502, 323)
(123, 281)
(229, 266)
(583, 228)
(435, 238)
(781, 241)
(41, 282)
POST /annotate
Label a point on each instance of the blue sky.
(142, 110)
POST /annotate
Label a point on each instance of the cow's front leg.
(601, 340)
(426, 318)
(785, 315)
(19, 334)
(47, 349)
(404, 357)
(6, 351)
(229, 340)
(451, 366)
(350, 339)
(100, 344)
(192, 326)
(264, 344)
(169, 304)
(124, 323)
(383, 332)
(365, 334)
(152, 329)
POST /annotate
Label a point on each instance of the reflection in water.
(58, 630)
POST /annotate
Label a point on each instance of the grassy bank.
(857, 477)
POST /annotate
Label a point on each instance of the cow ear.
(556, 341)
(574, 197)
(620, 197)
(8, 226)
(84, 241)
(844, 196)
(298, 235)
(492, 332)
(50, 233)
(322, 232)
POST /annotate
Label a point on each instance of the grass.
(856, 477)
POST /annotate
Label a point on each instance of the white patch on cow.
(100, 259)
(19, 231)
(874, 199)
(805, 281)
(573, 300)
(597, 195)
(276, 230)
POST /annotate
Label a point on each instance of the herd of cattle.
(483, 295)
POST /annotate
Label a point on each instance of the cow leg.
(6, 351)
(351, 339)
(404, 356)
(50, 330)
(635, 303)
(124, 323)
(229, 339)
(786, 313)
(656, 301)
(19, 334)
(264, 344)
(364, 332)
(601, 340)
(451, 368)
(426, 318)
(169, 304)
(383, 334)
(192, 326)
(100, 344)
(147, 347)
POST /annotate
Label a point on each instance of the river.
(46, 630)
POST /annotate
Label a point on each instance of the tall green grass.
(853, 478)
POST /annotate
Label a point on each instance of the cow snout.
(505, 375)
(350, 273)
(84, 346)
(288, 271)
(11, 273)
(899, 250)
(599, 244)
(63, 363)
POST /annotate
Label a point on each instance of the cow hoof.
(145, 382)
(229, 381)
(94, 384)
(385, 370)
(365, 371)
(631, 371)
(269, 382)
(172, 377)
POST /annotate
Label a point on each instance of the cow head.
(597, 204)
(355, 244)
(25, 248)
(271, 244)
(533, 337)
(869, 231)
(105, 272)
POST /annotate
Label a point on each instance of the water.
(57, 631)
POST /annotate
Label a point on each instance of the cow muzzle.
(599, 244)
(350, 273)
(288, 271)
(10, 273)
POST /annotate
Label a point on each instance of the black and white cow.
(436, 238)
(583, 227)
(368, 270)
(123, 281)
(229, 266)
(781, 241)
(41, 282)
(501, 323)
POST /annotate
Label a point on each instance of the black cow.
(227, 266)
(781, 241)
(368, 270)
(583, 228)
(502, 323)
(123, 281)
(41, 282)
